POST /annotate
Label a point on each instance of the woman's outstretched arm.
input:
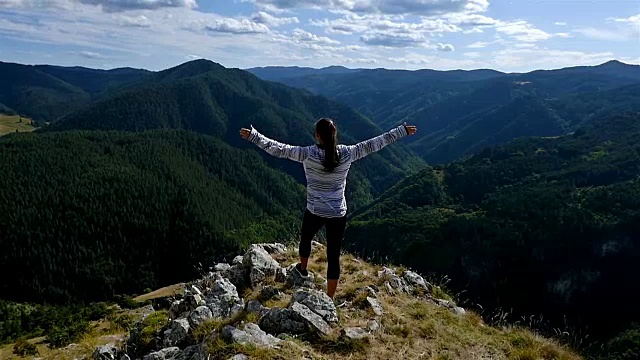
(364, 148)
(273, 147)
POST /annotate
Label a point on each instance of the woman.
(326, 166)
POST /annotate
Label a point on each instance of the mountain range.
(522, 188)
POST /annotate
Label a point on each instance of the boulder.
(281, 275)
(394, 283)
(223, 299)
(106, 352)
(254, 306)
(278, 321)
(319, 302)
(176, 333)
(200, 315)
(313, 321)
(237, 260)
(194, 352)
(222, 267)
(373, 325)
(250, 334)
(236, 275)
(354, 333)
(417, 281)
(375, 306)
(171, 353)
(275, 248)
(259, 264)
(270, 292)
(239, 357)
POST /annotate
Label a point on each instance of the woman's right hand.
(411, 129)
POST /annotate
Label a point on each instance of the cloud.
(302, 36)
(416, 7)
(473, 54)
(398, 40)
(125, 5)
(547, 58)
(445, 47)
(138, 21)
(522, 31)
(235, 26)
(631, 20)
(466, 19)
(602, 34)
(262, 17)
(478, 45)
(92, 55)
(559, 23)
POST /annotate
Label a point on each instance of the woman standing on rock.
(326, 166)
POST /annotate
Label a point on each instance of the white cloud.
(234, 26)
(631, 20)
(124, 5)
(475, 30)
(92, 55)
(394, 39)
(547, 58)
(137, 21)
(417, 7)
(560, 23)
(602, 34)
(473, 54)
(445, 47)
(262, 17)
(478, 45)
(522, 31)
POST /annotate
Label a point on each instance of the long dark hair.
(328, 133)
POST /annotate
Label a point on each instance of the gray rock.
(200, 315)
(239, 357)
(319, 302)
(459, 311)
(314, 322)
(270, 292)
(254, 306)
(106, 352)
(259, 264)
(237, 260)
(417, 281)
(222, 267)
(354, 333)
(375, 305)
(394, 283)
(171, 353)
(295, 279)
(194, 290)
(373, 325)
(194, 352)
(177, 333)
(192, 301)
(223, 299)
(275, 248)
(250, 334)
(123, 357)
(278, 321)
(386, 272)
(236, 275)
(177, 309)
(316, 245)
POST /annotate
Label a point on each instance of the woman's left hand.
(244, 133)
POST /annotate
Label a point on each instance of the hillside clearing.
(11, 123)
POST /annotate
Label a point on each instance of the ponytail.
(328, 133)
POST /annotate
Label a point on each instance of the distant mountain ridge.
(444, 104)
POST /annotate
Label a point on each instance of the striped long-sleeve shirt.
(325, 190)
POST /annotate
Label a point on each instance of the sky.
(510, 36)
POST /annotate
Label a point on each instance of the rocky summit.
(260, 307)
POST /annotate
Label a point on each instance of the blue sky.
(517, 35)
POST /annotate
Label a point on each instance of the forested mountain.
(539, 226)
(277, 73)
(45, 92)
(87, 215)
(207, 98)
(450, 106)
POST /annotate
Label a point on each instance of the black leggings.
(334, 227)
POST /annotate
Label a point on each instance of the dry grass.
(163, 292)
(9, 124)
(411, 328)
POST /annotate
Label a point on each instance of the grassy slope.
(11, 123)
(411, 328)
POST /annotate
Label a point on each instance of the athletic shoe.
(302, 273)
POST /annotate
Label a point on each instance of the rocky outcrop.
(215, 297)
